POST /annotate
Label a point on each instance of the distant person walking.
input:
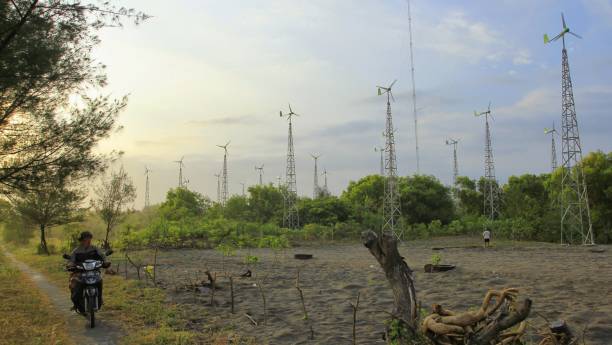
(486, 235)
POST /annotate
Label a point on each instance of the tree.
(325, 211)
(112, 197)
(423, 199)
(470, 199)
(45, 57)
(266, 203)
(597, 167)
(183, 203)
(51, 204)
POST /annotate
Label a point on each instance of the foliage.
(470, 199)
(436, 259)
(46, 57)
(52, 203)
(597, 167)
(424, 198)
(112, 196)
(182, 203)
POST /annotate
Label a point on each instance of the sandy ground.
(573, 284)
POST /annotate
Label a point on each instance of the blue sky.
(201, 73)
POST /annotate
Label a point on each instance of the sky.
(202, 73)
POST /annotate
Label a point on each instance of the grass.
(26, 316)
(144, 313)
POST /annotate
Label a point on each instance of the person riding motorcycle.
(85, 251)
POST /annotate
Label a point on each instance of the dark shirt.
(80, 254)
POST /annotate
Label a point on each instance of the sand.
(573, 284)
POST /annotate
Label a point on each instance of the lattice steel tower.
(218, 176)
(454, 143)
(325, 180)
(180, 177)
(260, 170)
(491, 191)
(147, 201)
(316, 190)
(553, 147)
(291, 218)
(414, 104)
(224, 194)
(391, 210)
(576, 215)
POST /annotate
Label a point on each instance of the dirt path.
(103, 334)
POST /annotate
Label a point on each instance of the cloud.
(522, 58)
(224, 121)
(534, 103)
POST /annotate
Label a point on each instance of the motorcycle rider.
(85, 251)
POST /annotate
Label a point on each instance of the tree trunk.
(399, 275)
(106, 244)
(43, 240)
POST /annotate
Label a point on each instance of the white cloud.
(522, 58)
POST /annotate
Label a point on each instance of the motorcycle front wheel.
(91, 311)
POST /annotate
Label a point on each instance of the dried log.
(505, 320)
(397, 272)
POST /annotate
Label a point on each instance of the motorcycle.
(90, 278)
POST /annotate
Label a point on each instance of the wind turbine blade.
(391, 93)
(489, 107)
(571, 33)
(390, 86)
(291, 111)
(563, 21)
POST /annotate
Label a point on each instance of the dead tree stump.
(397, 272)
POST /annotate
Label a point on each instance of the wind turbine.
(260, 169)
(382, 164)
(576, 214)
(181, 165)
(242, 183)
(391, 206)
(224, 174)
(491, 195)
(454, 142)
(561, 35)
(553, 149)
(147, 187)
(218, 176)
(291, 217)
(316, 189)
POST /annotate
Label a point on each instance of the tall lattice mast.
(382, 159)
(243, 192)
(553, 147)
(325, 180)
(147, 201)
(454, 143)
(180, 176)
(218, 176)
(260, 170)
(316, 190)
(414, 104)
(391, 210)
(576, 215)
(224, 194)
(491, 191)
(291, 218)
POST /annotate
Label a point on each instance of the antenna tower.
(391, 211)
(242, 183)
(147, 201)
(316, 189)
(491, 191)
(224, 175)
(414, 104)
(576, 215)
(260, 169)
(291, 217)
